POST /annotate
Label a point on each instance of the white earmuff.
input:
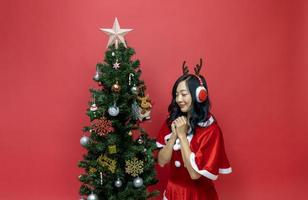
(201, 93)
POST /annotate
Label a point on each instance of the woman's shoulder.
(209, 122)
(208, 127)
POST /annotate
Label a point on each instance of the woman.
(191, 141)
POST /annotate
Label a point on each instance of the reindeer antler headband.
(201, 92)
(197, 69)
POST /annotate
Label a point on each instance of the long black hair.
(199, 111)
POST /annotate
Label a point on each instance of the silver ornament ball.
(134, 90)
(92, 197)
(113, 111)
(138, 182)
(140, 141)
(84, 140)
(96, 76)
(118, 183)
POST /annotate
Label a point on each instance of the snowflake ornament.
(134, 167)
(116, 65)
(102, 126)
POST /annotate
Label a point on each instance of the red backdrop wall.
(255, 66)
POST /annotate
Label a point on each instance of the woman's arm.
(185, 151)
(181, 130)
(164, 155)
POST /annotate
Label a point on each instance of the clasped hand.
(179, 126)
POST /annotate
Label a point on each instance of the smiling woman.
(192, 141)
(183, 97)
(258, 75)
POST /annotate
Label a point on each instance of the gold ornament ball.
(116, 87)
(130, 133)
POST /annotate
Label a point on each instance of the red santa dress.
(208, 158)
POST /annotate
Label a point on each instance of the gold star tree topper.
(116, 34)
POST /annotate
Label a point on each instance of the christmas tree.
(119, 162)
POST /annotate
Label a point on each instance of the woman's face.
(183, 97)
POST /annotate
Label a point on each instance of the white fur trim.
(205, 172)
(159, 145)
(198, 91)
(164, 196)
(202, 172)
(177, 163)
(207, 123)
(225, 170)
(167, 137)
(177, 145)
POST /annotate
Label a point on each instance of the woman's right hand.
(181, 126)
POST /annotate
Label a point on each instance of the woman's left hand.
(181, 126)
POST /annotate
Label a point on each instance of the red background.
(255, 66)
